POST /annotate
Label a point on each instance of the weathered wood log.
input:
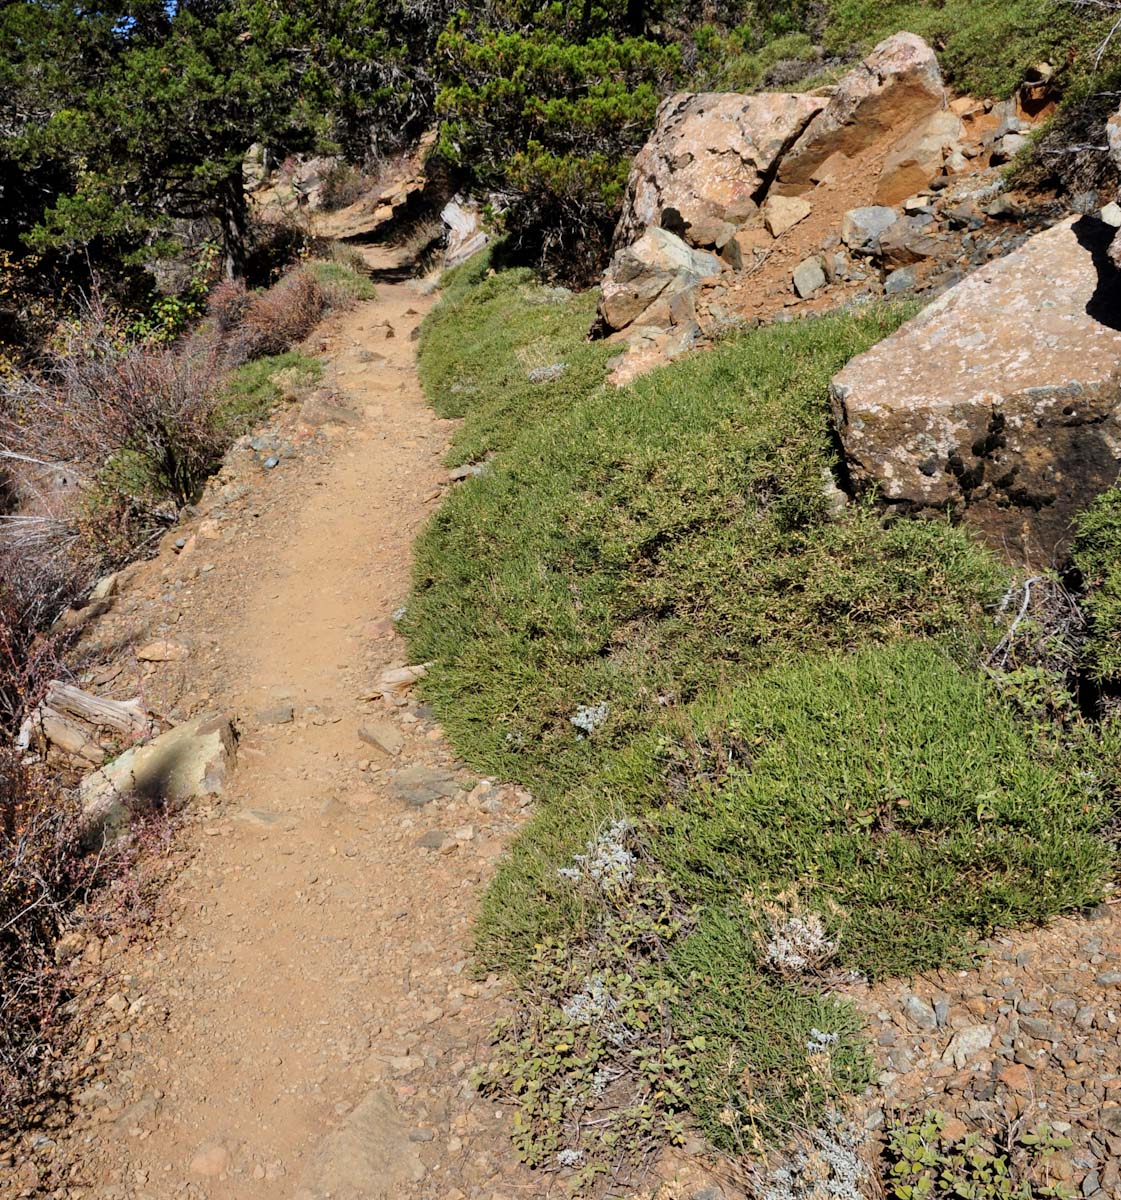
(68, 735)
(73, 720)
(125, 716)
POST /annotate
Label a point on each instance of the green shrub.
(636, 546)
(1097, 555)
(251, 391)
(891, 788)
(738, 62)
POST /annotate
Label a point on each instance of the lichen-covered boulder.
(1113, 138)
(897, 86)
(1002, 400)
(703, 171)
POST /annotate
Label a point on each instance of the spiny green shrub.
(756, 711)
(634, 547)
(878, 811)
(892, 788)
(478, 349)
(1097, 555)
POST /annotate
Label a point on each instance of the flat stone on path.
(278, 714)
(967, 1045)
(370, 1156)
(809, 277)
(383, 736)
(420, 785)
(210, 1161)
(163, 651)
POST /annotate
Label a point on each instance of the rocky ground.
(1033, 1036)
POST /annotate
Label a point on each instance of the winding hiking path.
(306, 1023)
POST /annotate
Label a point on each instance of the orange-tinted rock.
(896, 86)
(1002, 400)
(707, 161)
(918, 157)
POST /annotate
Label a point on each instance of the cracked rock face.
(898, 85)
(646, 279)
(1002, 400)
(705, 168)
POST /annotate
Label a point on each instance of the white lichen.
(798, 944)
(590, 717)
(607, 863)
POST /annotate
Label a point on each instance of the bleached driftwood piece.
(73, 720)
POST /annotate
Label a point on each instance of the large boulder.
(895, 88)
(646, 277)
(187, 762)
(1002, 400)
(705, 167)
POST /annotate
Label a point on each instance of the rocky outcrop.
(918, 157)
(1002, 400)
(1113, 138)
(187, 762)
(897, 86)
(705, 168)
(645, 280)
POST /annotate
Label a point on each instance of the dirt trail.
(306, 1024)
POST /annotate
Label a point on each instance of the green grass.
(984, 46)
(1097, 555)
(340, 279)
(479, 345)
(635, 547)
(795, 722)
(252, 390)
